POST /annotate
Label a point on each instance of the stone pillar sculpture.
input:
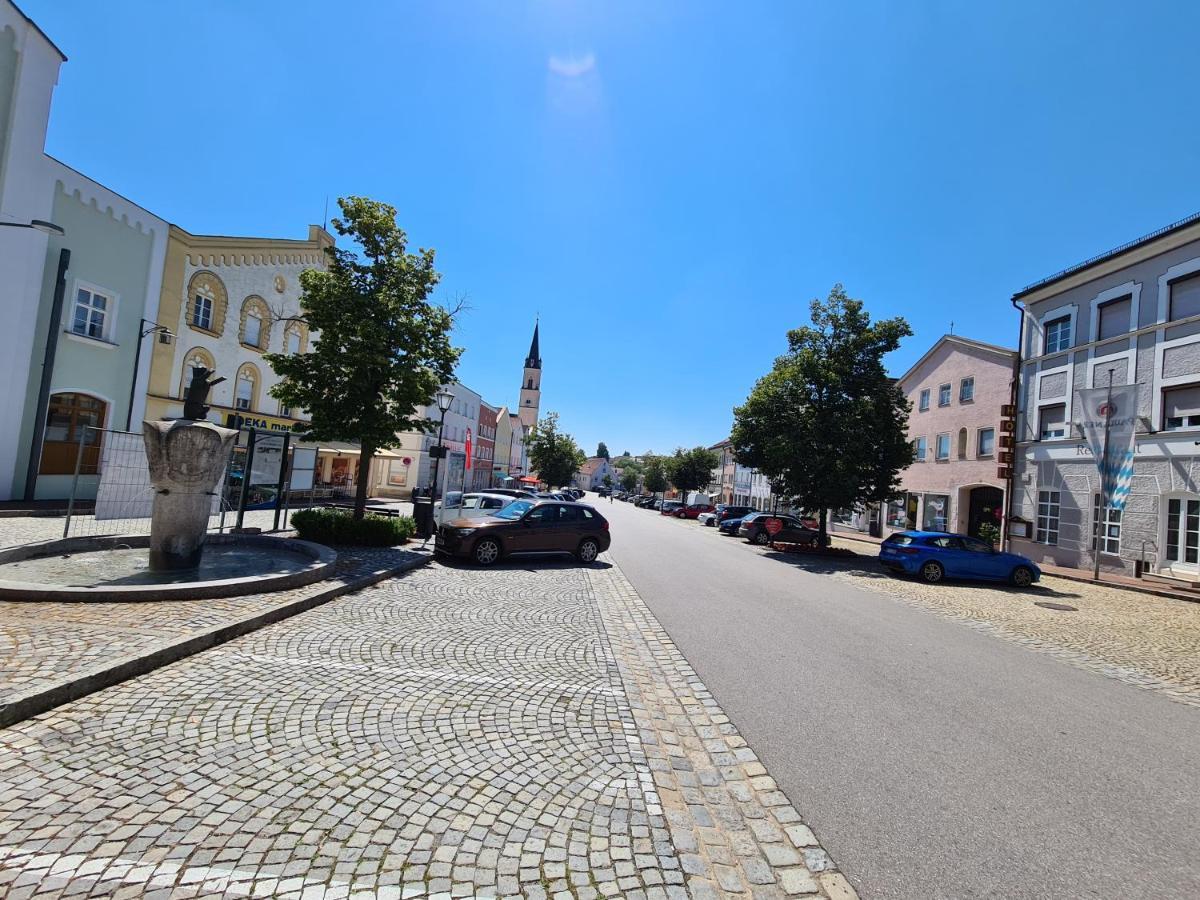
(186, 459)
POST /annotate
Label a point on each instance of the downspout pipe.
(1014, 391)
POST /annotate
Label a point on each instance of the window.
(253, 333)
(975, 545)
(962, 443)
(944, 395)
(1181, 408)
(66, 418)
(1058, 334)
(943, 446)
(986, 444)
(293, 341)
(934, 515)
(202, 308)
(1114, 318)
(1052, 422)
(1183, 530)
(91, 317)
(919, 449)
(285, 411)
(966, 390)
(1185, 298)
(924, 402)
(1110, 528)
(1047, 517)
(244, 397)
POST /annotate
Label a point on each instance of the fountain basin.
(107, 569)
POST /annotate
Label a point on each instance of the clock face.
(280, 284)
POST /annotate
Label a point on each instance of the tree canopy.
(629, 480)
(381, 349)
(553, 454)
(827, 425)
(691, 470)
(655, 475)
(602, 450)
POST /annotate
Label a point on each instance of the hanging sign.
(268, 459)
(468, 448)
(1108, 419)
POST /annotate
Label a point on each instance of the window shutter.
(1185, 298)
(1053, 415)
(1114, 318)
(1182, 402)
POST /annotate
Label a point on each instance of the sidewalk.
(1107, 579)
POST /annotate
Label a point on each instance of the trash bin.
(423, 514)
(873, 529)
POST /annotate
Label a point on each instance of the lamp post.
(444, 399)
(43, 400)
(165, 336)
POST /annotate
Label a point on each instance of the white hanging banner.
(1108, 419)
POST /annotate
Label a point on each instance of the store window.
(1047, 517)
(896, 514)
(935, 512)
(67, 421)
(1110, 528)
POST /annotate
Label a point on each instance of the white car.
(708, 518)
(473, 506)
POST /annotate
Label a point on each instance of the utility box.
(423, 515)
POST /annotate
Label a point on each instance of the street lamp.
(165, 336)
(37, 225)
(444, 398)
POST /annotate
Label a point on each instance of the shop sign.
(240, 419)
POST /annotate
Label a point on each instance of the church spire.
(534, 360)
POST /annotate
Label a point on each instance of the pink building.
(956, 390)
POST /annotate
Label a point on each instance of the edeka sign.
(1108, 419)
(240, 420)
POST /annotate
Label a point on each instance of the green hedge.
(338, 526)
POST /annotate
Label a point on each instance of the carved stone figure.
(186, 460)
(197, 393)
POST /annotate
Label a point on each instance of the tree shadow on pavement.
(870, 568)
(549, 562)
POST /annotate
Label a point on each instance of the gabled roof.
(968, 343)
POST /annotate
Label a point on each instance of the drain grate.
(1062, 607)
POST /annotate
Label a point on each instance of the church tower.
(531, 384)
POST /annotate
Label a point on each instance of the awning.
(526, 479)
(344, 448)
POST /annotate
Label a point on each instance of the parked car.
(710, 517)
(729, 511)
(475, 505)
(527, 526)
(669, 507)
(515, 493)
(693, 510)
(729, 526)
(935, 555)
(754, 529)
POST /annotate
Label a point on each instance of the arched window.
(207, 302)
(67, 421)
(256, 323)
(530, 384)
(245, 388)
(962, 443)
(295, 338)
(196, 358)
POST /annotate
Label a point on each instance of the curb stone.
(26, 705)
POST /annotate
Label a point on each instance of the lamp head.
(444, 399)
(47, 228)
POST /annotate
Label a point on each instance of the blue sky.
(668, 184)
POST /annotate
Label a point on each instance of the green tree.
(655, 478)
(629, 481)
(381, 348)
(827, 424)
(608, 481)
(553, 454)
(602, 450)
(691, 470)
(626, 453)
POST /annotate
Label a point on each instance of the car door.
(983, 560)
(535, 529)
(949, 552)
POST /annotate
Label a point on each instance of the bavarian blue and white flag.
(1116, 409)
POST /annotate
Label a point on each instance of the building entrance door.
(1183, 533)
(987, 505)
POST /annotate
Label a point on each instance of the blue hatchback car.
(935, 555)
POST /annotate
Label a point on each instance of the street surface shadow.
(866, 567)
(533, 562)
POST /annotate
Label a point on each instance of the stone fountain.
(186, 459)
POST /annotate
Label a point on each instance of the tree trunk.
(823, 529)
(366, 455)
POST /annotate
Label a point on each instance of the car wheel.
(588, 550)
(1022, 576)
(486, 552)
(762, 538)
(932, 572)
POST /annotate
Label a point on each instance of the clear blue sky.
(668, 184)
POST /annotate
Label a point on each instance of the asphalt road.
(930, 759)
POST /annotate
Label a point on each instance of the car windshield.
(514, 510)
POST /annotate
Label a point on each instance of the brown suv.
(527, 526)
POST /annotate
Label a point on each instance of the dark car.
(669, 507)
(754, 529)
(934, 555)
(732, 512)
(527, 526)
(729, 526)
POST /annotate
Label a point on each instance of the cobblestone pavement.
(526, 731)
(16, 530)
(44, 644)
(1148, 641)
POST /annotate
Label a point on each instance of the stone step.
(1175, 581)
